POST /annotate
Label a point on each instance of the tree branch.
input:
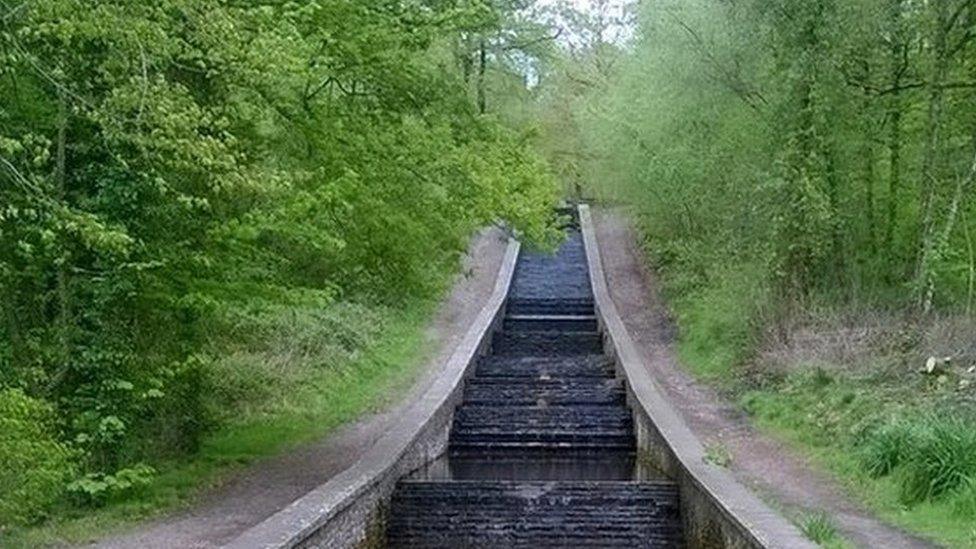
(530, 43)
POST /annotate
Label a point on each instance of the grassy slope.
(325, 399)
(819, 415)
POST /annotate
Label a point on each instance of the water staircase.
(542, 450)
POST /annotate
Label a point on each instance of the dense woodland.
(187, 180)
(804, 177)
(211, 212)
(829, 144)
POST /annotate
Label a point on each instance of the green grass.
(310, 405)
(819, 528)
(846, 422)
(716, 322)
(718, 455)
(827, 419)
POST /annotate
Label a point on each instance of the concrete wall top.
(313, 512)
(744, 510)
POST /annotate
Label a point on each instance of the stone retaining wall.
(717, 511)
(348, 510)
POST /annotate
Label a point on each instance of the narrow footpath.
(780, 474)
(249, 497)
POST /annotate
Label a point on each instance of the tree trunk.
(482, 69)
(467, 64)
(800, 252)
(833, 200)
(63, 277)
(869, 198)
(972, 266)
(962, 191)
(894, 171)
(931, 161)
(897, 59)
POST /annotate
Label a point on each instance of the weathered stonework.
(349, 510)
(717, 511)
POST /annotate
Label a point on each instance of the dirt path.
(766, 465)
(258, 492)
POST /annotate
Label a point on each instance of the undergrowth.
(908, 458)
(819, 528)
(281, 375)
(848, 389)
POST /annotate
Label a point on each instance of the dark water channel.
(539, 465)
(542, 451)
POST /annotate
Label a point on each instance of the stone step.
(545, 367)
(524, 427)
(543, 465)
(542, 451)
(539, 392)
(549, 306)
(546, 343)
(550, 323)
(561, 275)
(426, 514)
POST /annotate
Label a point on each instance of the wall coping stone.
(742, 510)
(314, 511)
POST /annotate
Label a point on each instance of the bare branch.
(530, 43)
(145, 80)
(19, 178)
(731, 79)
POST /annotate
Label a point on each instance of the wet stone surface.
(519, 464)
(542, 449)
(561, 277)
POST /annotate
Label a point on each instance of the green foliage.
(826, 145)
(34, 465)
(271, 397)
(964, 502)
(885, 448)
(931, 456)
(820, 529)
(178, 174)
(95, 488)
(784, 158)
(902, 448)
(723, 315)
(270, 351)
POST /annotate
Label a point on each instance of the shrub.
(268, 352)
(34, 466)
(931, 456)
(964, 502)
(941, 459)
(97, 488)
(819, 528)
(884, 448)
(718, 321)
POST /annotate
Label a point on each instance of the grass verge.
(305, 388)
(835, 420)
(901, 440)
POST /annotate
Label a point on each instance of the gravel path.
(256, 493)
(768, 466)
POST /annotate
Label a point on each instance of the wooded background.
(184, 180)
